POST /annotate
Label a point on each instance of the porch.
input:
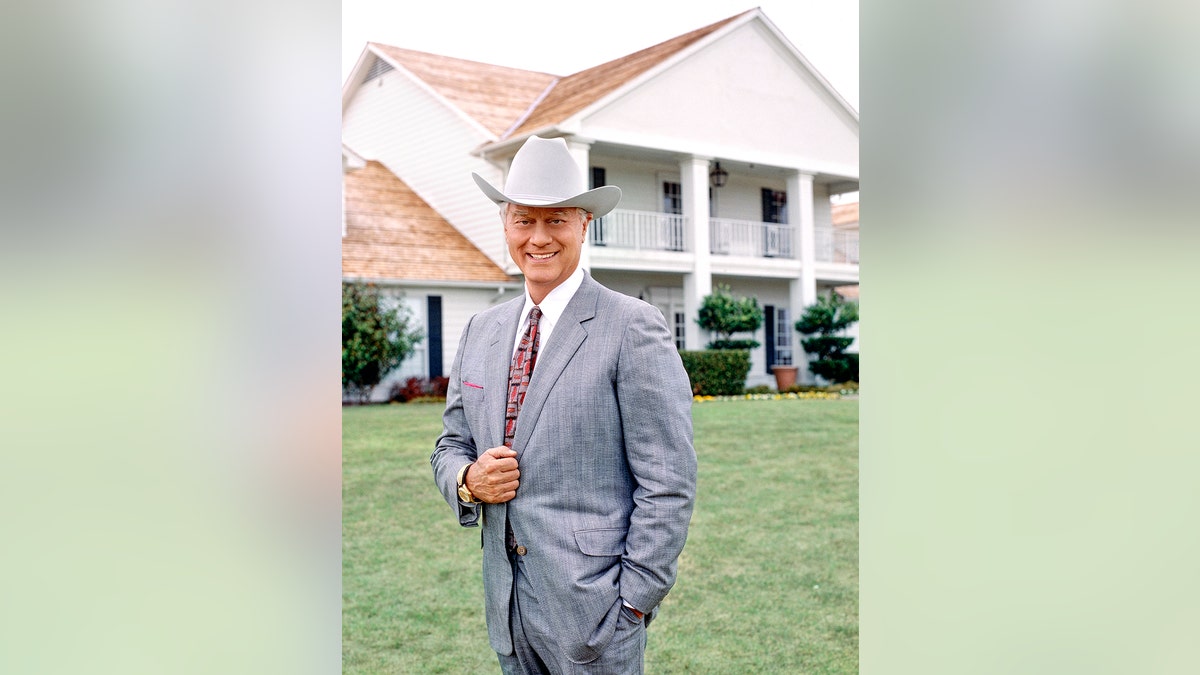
(655, 231)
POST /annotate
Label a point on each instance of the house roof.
(494, 96)
(392, 234)
(510, 102)
(849, 292)
(845, 215)
(574, 93)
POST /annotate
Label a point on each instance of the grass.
(768, 581)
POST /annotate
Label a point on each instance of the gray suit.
(608, 472)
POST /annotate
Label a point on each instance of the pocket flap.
(609, 541)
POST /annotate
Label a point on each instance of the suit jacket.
(604, 446)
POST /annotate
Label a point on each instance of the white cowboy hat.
(544, 174)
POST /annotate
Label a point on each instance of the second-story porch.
(625, 230)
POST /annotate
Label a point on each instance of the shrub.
(758, 389)
(419, 389)
(826, 349)
(724, 315)
(438, 386)
(375, 338)
(733, 344)
(716, 372)
(411, 388)
(842, 369)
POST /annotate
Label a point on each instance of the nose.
(540, 236)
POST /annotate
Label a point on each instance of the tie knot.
(534, 315)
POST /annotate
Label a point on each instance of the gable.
(744, 90)
(572, 94)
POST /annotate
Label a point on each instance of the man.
(568, 433)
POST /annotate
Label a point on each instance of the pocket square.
(472, 384)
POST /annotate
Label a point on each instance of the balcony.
(751, 239)
(836, 246)
(652, 231)
(640, 230)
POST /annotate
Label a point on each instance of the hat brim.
(598, 201)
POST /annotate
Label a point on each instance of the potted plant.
(785, 376)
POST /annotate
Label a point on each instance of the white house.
(727, 144)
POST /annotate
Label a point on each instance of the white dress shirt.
(552, 306)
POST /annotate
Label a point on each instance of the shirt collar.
(552, 306)
(555, 302)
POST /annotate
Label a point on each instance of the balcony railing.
(648, 230)
(750, 238)
(654, 231)
(839, 246)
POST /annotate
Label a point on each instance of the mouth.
(541, 256)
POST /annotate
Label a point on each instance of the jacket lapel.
(569, 333)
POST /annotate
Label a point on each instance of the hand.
(493, 477)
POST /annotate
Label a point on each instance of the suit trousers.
(536, 651)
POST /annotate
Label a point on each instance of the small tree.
(724, 315)
(375, 338)
(826, 319)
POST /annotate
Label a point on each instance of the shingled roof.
(494, 96)
(501, 98)
(391, 233)
(845, 215)
(576, 92)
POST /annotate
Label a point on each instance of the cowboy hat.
(544, 174)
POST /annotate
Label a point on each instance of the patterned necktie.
(518, 376)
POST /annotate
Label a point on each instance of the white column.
(803, 291)
(693, 175)
(580, 151)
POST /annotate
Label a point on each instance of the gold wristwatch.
(464, 492)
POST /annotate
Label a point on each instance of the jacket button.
(521, 550)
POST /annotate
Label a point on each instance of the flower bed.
(792, 396)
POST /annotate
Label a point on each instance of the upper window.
(672, 197)
(774, 206)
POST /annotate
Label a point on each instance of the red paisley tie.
(518, 376)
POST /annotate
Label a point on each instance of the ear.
(586, 221)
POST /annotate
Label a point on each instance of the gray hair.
(504, 212)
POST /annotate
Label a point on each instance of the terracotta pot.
(785, 376)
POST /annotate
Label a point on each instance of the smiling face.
(545, 243)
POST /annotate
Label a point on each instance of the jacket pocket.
(605, 542)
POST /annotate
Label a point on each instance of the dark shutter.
(769, 312)
(433, 306)
(596, 231)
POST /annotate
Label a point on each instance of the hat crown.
(544, 174)
(543, 169)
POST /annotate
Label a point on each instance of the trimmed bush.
(725, 315)
(716, 372)
(843, 369)
(825, 321)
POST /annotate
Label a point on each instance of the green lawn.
(768, 581)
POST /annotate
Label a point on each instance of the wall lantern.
(718, 176)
